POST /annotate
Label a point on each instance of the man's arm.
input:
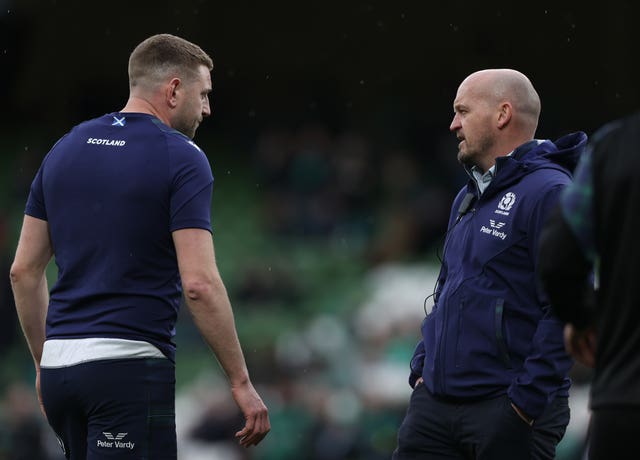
(29, 285)
(547, 362)
(208, 302)
(567, 250)
(29, 282)
(416, 365)
(564, 272)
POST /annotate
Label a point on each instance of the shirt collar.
(483, 179)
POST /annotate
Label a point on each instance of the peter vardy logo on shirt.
(506, 203)
(115, 441)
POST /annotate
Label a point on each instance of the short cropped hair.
(161, 55)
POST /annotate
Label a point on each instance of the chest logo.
(507, 201)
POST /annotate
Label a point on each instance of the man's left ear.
(504, 115)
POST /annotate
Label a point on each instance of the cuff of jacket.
(416, 365)
(413, 378)
(528, 400)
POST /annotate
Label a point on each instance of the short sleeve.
(192, 186)
(35, 206)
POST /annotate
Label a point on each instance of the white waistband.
(69, 352)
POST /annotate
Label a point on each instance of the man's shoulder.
(546, 178)
(181, 143)
(534, 188)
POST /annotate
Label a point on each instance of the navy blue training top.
(112, 190)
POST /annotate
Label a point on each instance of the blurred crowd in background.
(329, 247)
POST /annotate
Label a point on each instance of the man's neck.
(139, 104)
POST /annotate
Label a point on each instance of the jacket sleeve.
(567, 252)
(417, 363)
(565, 272)
(547, 364)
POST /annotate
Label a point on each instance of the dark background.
(389, 69)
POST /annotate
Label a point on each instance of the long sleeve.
(564, 272)
(567, 250)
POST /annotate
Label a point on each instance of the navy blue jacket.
(491, 330)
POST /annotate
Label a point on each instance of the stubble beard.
(468, 155)
(187, 127)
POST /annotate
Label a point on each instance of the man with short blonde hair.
(123, 202)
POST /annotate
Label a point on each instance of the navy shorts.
(122, 408)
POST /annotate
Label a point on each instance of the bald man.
(490, 375)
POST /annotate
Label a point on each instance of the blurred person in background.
(22, 429)
(593, 231)
(123, 203)
(490, 375)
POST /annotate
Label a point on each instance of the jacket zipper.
(442, 343)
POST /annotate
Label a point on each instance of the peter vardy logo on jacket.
(494, 230)
(115, 441)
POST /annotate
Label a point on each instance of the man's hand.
(581, 344)
(39, 393)
(528, 420)
(256, 416)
